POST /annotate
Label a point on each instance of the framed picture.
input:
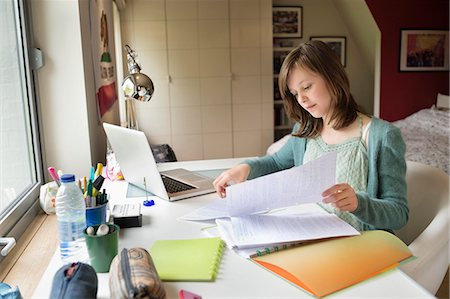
(337, 44)
(287, 21)
(279, 54)
(423, 50)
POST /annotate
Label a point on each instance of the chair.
(163, 153)
(427, 231)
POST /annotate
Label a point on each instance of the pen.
(54, 175)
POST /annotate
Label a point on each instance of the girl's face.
(311, 92)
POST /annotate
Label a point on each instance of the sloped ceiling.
(364, 30)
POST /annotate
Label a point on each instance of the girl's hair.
(316, 56)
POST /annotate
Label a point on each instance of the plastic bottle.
(71, 216)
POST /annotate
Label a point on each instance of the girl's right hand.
(231, 176)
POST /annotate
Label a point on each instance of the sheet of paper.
(255, 230)
(214, 210)
(301, 184)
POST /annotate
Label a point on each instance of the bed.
(426, 134)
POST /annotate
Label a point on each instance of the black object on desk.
(127, 215)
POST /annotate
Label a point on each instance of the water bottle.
(71, 216)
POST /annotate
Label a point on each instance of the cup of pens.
(102, 242)
(96, 200)
(96, 215)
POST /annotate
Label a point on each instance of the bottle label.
(70, 231)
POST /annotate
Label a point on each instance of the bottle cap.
(68, 178)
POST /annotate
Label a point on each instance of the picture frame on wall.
(423, 50)
(279, 54)
(287, 21)
(337, 43)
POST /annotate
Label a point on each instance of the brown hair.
(318, 57)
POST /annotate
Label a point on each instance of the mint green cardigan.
(384, 205)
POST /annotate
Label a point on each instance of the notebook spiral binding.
(275, 248)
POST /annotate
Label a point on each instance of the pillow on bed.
(443, 101)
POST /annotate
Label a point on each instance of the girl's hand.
(342, 197)
(231, 176)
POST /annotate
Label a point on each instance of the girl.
(370, 192)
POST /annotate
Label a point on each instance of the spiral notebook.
(187, 259)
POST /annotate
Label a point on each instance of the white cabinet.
(210, 61)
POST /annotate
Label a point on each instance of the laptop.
(134, 155)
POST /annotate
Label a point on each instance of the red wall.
(403, 93)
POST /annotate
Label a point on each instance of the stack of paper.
(256, 234)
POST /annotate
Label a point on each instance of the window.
(20, 158)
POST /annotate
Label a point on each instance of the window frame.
(17, 218)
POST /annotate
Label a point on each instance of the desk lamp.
(136, 86)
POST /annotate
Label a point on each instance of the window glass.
(17, 163)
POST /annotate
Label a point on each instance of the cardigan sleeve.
(282, 159)
(387, 208)
(290, 154)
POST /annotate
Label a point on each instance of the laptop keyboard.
(174, 186)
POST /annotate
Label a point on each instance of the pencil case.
(73, 281)
(132, 274)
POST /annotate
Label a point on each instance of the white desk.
(237, 277)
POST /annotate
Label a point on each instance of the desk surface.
(237, 277)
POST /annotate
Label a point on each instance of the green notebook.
(187, 260)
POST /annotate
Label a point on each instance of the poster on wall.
(102, 41)
(424, 50)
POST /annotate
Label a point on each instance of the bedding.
(426, 134)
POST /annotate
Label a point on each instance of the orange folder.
(324, 267)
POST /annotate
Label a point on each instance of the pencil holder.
(102, 248)
(96, 215)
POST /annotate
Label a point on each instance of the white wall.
(367, 37)
(62, 87)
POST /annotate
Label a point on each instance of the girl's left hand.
(341, 196)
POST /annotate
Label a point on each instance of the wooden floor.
(28, 261)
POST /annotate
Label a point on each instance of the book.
(187, 259)
(326, 266)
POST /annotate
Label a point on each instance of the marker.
(54, 175)
(99, 170)
(84, 184)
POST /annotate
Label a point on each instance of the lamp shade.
(136, 85)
